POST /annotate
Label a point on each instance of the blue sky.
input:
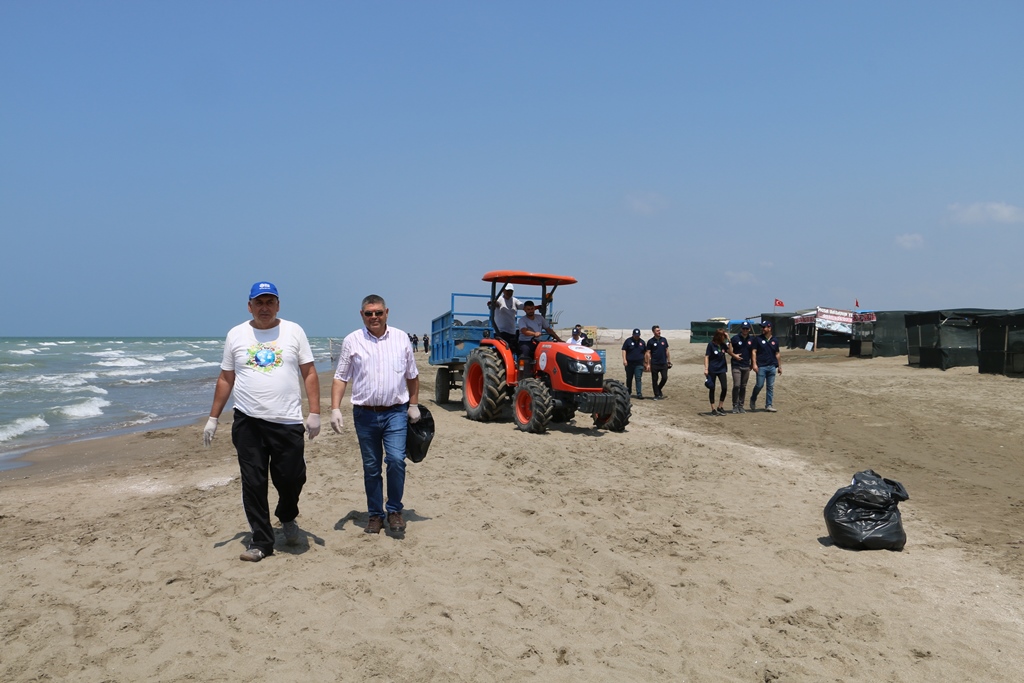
(682, 160)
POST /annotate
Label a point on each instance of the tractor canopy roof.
(521, 277)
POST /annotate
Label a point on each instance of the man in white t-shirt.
(263, 359)
(505, 307)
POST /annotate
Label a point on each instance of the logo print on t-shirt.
(264, 357)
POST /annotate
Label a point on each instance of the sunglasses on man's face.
(373, 314)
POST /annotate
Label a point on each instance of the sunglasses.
(373, 314)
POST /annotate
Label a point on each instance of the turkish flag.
(856, 303)
(778, 302)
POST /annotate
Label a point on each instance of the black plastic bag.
(865, 516)
(418, 436)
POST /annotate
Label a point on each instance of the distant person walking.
(378, 362)
(715, 369)
(426, 343)
(415, 342)
(767, 362)
(659, 361)
(742, 349)
(634, 358)
(263, 359)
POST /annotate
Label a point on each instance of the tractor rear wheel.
(531, 406)
(484, 390)
(618, 418)
(442, 386)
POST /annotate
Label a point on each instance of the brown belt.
(378, 409)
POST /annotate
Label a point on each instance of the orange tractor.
(560, 380)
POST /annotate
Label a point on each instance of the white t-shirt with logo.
(266, 366)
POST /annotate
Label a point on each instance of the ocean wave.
(93, 389)
(22, 425)
(23, 352)
(121, 363)
(17, 365)
(62, 382)
(144, 380)
(104, 354)
(47, 343)
(145, 418)
(152, 359)
(179, 354)
(91, 407)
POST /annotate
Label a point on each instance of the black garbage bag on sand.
(865, 516)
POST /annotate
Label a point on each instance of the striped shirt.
(377, 368)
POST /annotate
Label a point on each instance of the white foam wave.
(104, 354)
(24, 352)
(16, 365)
(47, 343)
(22, 425)
(179, 354)
(94, 389)
(121, 363)
(146, 418)
(90, 407)
(144, 380)
(63, 382)
(152, 359)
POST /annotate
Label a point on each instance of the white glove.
(313, 425)
(209, 430)
(336, 421)
(414, 412)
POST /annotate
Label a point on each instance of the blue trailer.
(453, 336)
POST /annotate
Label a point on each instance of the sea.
(56, 390)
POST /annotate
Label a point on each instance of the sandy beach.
(689, 548)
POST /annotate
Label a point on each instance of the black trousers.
(275, 449)
(659, 375)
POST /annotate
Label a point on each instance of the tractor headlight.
(598, 368)
(577, 366)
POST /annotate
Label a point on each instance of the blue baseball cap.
(745, 325)
(262, 288)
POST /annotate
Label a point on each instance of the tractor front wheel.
(618, 418)
(531, 406)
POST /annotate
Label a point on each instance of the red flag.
(778, 302)
(856, 303)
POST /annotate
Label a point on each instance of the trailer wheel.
(484, 390)
(531, 406)
(618, 418)
(442, 385)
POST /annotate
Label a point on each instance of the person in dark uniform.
(634, 354)
(715, 369)
(767, 362)
(741, 351)
(659, 361)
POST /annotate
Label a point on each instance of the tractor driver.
(531, 327)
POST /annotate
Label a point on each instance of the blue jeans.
(382, 443)
(634, 371)
(765, 375)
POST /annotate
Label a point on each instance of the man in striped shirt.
(378, 362)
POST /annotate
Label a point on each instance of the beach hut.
(885, 336)
(944, 339)
(1001, 343)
